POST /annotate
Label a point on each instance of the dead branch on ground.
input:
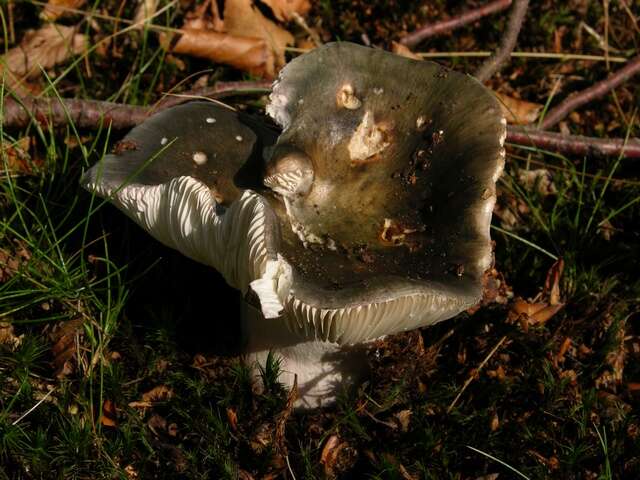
(414, 38)
(576, 100)
(495, 62)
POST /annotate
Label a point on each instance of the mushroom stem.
(322, 369)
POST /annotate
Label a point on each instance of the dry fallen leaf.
(160, 393)
(146, 9)
(517, 111)
(404, 51)
(552, 282)
(232, 417)
(494, 424)
(66, 338)
(243, 19)
(530, 313)
(538, 179)
(16, 158)
(285, 10)
(109, 415)
(55, 9)
(403, 417)
(46, 47)
(8, 336)
(245, 53)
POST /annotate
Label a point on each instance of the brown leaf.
(243, 19)
(109, 415)
(232, 417)
(146, 9)
(404, 51)
(8, 336)
(161, 393)
(285, 10)
(66, 338)
(539, 180)
(495, 422)
(545, 314)
(17, 159)
(403, 417)
(55, 9)
(530, 313)
(46, 47)
(517, 111)
(245, 53)
(157, 423)
(328, 449)
(552, 282)
(405, 473)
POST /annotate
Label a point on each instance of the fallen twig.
(414, 38)
(597, 90)
(475, 372)
(18, 113)
(93, 113)
(573, 144)
(508, 43)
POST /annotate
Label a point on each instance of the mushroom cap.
(184, 176)
(386, 167)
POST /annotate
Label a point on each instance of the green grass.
(146, 321)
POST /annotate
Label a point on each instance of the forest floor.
(107, 338)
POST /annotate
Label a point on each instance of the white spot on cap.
(238, 138)
(420, 121)
(378, 90)
(200, 158)
(164, 141)
(211, 120)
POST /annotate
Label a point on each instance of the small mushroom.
(369, 215)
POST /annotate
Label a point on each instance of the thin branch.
(18, 112)
(495, 62)
(91, 113)
(414, 38)
(595, 91)
(475, 372)
(573, 144)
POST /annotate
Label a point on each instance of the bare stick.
(573, 144)
(91, 113)
(83, 113)
(475, 372)
(414, 38)
(595, 91)
(496, 61)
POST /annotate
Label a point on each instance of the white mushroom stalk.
(368, 216)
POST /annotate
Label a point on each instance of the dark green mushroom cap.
(185, 176)
(394, 191)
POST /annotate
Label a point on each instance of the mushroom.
(367, 216)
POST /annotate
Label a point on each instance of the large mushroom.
(368, 215)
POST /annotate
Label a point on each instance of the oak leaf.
(251, 54)
(55, 9)
(44, 48)
(517, 111)
(243, 19)
(285, 10)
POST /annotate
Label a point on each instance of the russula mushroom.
(368, 215)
